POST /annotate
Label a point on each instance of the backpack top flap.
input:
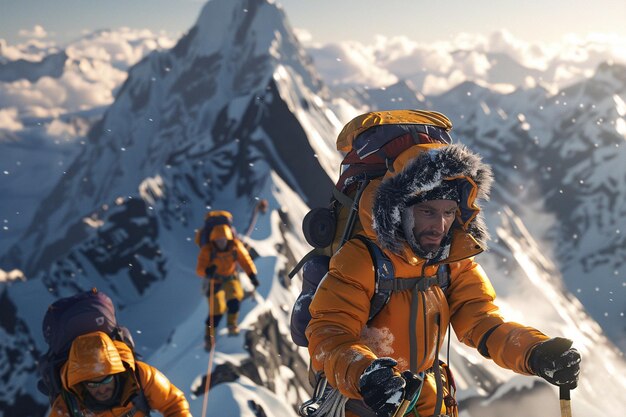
(374, 140)
(212, 219)
(73, 316)
(363, 122)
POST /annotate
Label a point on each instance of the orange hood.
(93, 356)
(417, 170)
(221, 231)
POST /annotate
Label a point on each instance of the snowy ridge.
(216, 133)
(49, 99)
(225, 92)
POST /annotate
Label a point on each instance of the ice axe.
(261, 206)
(565, 401)
(411, 392)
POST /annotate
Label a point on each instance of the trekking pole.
(565, 402)
(411, 391)
(211, 352)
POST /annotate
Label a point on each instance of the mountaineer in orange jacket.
(217, 262)
(103, 379)
(424, 212)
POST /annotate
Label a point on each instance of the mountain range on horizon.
(236, 112)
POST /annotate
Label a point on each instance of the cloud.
(303, 35)
(36, 32)
(73, 91)
(96, 66)
(59, 129)
(9, 119)
(498, 61)
(434, 84)
(350, 63)
(32, 50)
(121, 48)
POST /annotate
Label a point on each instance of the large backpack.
(66, 319)
(371, 142)
(212, 219)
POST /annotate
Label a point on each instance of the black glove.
(253, 280)
(556, 361)
(382, 388)
(210, 271)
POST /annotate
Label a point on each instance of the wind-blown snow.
(177, 142)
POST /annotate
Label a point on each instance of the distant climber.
(219, 255)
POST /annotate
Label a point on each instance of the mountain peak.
(232, 86)
(611, 72)
(238, 22)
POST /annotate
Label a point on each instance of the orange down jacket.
(94, 356)
(341, 341)
(226, 260)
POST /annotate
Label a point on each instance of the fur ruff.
(424, 173)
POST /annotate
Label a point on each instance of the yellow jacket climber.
(217, 262)
(105, 380)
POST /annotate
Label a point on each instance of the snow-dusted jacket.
(341, 341)
(226, 260)
(94, 356)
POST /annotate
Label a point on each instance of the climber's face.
(432, 222)
(221, 243)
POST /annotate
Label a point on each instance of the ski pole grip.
(413, 384)
(565, 401)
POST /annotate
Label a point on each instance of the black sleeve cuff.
(482, 346)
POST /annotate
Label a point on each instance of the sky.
(328, 20)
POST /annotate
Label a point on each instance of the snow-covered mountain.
(50, 66)
(216, 121)
(233, 113)
(49, 98)
(560, 159)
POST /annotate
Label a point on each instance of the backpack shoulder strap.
(140, 401)
(212, 254)
(443, 277)
(71, 403)
(386, 282)
(384, 275)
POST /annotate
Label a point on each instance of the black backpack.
(212, 219)
(66, 319)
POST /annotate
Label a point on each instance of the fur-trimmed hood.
(420, 169)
